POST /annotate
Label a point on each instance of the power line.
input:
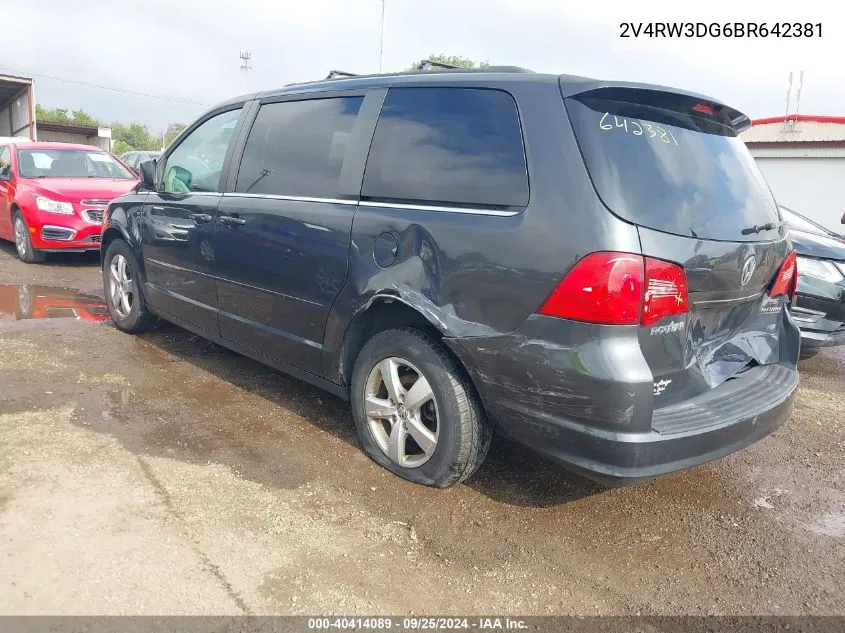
(102, 87)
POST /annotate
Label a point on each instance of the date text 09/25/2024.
(721, 29)
(412, 623)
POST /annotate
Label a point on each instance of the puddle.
(829, 524)
(30, 301)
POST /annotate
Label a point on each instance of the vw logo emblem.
(748, 268)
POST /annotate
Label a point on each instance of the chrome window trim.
(379, 205)
(433, 207)
(275, 196)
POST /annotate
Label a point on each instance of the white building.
(803, 158)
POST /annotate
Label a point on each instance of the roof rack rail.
(427, 63)
(340, 73)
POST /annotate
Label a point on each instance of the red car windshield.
(69, 163)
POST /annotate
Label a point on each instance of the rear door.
(282, 238)
(674, 166)
(177, 225)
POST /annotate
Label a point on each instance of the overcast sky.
(188, 49)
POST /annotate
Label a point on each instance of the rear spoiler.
(659, 96)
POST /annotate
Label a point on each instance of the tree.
(173, 130)
(82, 117)
(47, 114)
(126, 137)
(454, 60)
(61, 115)
(133, 136)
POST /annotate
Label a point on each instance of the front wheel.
(23, 243)
(123, 289)
(415, 411)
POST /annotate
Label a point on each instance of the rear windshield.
(674, 172)
(69, 163)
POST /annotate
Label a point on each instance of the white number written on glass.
(636, 128)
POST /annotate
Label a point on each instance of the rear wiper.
(759, 228)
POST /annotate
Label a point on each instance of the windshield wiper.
(759, 228)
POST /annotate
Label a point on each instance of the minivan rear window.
(676, 172)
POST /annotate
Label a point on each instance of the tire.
(452, 415)
(23, 243)
(138, 317)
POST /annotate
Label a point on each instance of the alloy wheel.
(121, 286)
(20, 237)
(401, 412)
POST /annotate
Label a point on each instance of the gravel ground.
(163, 474)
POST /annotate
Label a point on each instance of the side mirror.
(6, 172)
(147, 170)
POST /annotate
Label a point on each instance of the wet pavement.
(164, 474)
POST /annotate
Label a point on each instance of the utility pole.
(245, 57)
(381, 49)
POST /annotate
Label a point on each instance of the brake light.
(787, 274)
(619, 289)
(703, 108)
(600, 288)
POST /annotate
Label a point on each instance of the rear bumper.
(588, 402)
(690, 435)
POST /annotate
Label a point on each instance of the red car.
(52, 196)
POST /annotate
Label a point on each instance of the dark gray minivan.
(596, 269)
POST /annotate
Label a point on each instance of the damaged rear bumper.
(590, 405)
(681, 437)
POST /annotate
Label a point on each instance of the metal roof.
(797, 128)
(68, 127)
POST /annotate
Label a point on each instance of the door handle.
(199, 218)
(231, 220)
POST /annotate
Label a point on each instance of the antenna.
(798, 97)
(245, 57)
(788, 97)
(381, 46)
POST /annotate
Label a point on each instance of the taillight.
(619, 289)
(787, 274)
(600, 288)
(666, 292)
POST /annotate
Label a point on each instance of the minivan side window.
(297, 148)
(448, 146)
(196, 164)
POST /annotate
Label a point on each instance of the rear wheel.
(124, 294)
(415, 412)
(23, 243)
